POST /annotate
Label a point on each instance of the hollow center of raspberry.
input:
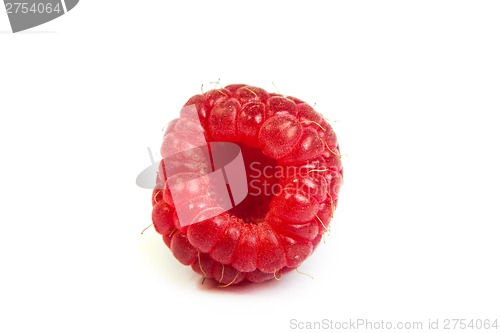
(263, 184)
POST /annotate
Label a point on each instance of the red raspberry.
(294, 173)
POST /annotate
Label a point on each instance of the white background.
(414, 88)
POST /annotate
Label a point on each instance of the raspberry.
(292, 161)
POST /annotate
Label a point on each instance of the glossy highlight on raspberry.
(294, 173)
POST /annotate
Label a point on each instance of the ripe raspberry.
(294, 173)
